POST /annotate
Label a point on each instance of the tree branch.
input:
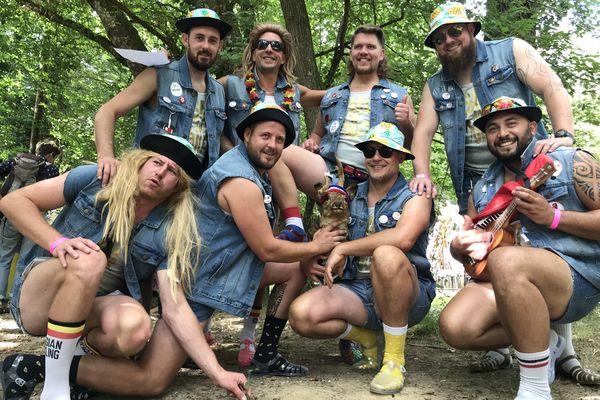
(339, 45)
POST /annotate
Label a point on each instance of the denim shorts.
(364, 290)
(584, 299)
(16, 293)
(202, 312)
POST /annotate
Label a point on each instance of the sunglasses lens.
(262, 44)
(369, 152)
(277, 46)
(385, 152)
(455, 31)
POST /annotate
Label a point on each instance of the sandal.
(278, 366)
(489, 363)
(583, 376)
(20, 374)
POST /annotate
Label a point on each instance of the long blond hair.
(182, 237)
(286, 37)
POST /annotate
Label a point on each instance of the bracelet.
(422, 176)
(55, 244)
(556, 219)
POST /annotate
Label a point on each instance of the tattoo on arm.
(534, 66)
(275, 298)
(586, 173)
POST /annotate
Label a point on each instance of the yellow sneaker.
(389, 379)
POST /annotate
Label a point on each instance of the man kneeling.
(386, 276)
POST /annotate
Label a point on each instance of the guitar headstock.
(542, 175)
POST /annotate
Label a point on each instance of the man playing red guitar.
(554, 278)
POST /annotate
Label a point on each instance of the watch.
(564, 133)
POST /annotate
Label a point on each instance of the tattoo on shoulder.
(586, 173)
(536, 66)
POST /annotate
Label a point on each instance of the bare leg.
(307, 169)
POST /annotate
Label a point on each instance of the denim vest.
(581, 254)
(176, 104)
(239, 104)
(229, 273)
(388, 211)
(334, 106)
(494, 75)
(81, 216)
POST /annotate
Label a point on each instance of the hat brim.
(175, 151)
(429, 42)
(184, 25)
(530, 112)
(269, 114)
(362, 145)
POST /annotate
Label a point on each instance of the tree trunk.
(297, 22)
(38, 112)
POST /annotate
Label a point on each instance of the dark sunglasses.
(384, 152)
(454, 31)
(276, 45)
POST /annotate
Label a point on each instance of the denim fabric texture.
(229, 273)
(177, 102)
(494, 75)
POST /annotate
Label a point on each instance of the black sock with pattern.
(267, 347)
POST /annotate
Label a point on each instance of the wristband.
(422, 176)
(556, 219)
(55, 244)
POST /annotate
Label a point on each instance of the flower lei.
(288, 92)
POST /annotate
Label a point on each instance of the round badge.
(267, 199)
(383, 96)
(484, 189)
(396, 215)
(334, 126)
(445, 95)
(298, 105)
(494, 68)
(449, 105)
(181, 100)
(558, 167)
(166, 99)
(383, 219)
(386, 90)
(232, 104)
(394, 95)
(176, 89)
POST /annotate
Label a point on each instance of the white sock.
(534, 375)
(61, 342)
(249, 328)
(566, 331)
(346, 331)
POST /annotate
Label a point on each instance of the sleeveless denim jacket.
(334, 106)
(388, 211)
(239, 104)
(82, 216)
(176, 105)
(229, 273)
(583, 255)
(494, 75)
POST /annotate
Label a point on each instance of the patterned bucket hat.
(388, 135)
(448, 13)
(507, 104)
(203, 17)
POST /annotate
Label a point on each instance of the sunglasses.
(384, 152)
(276, 45)
(503, 103)
(454, 31)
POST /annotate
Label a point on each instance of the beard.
(201, 65)
(255, 156)
(515, 155)
(453, 65)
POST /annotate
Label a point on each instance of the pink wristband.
(556, 219)
(422, 176)
(55, 244)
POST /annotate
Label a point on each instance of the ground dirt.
(435, 371)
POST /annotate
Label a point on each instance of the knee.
(133, 333)
(455, 330)
(389, 262)
(88, 267)
(300, 316)
(505, 268)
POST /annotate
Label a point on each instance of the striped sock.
(61, 342)
(534, 375)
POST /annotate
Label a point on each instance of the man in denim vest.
(180, 98)
(84, 292)
(473, 74)
(385, 274)
(348, 111)
(267, 76)
(561, 222)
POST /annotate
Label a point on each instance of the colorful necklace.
(288, 92)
